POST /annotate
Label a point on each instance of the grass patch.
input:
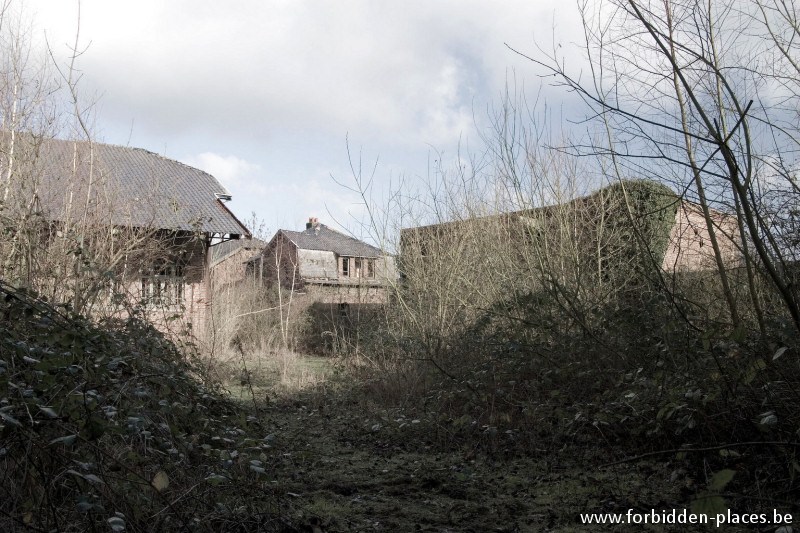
(266, 375)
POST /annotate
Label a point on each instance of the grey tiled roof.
(324, 238)
(130, 187)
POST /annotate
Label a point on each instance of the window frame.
(163, 286)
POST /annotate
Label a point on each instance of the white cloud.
(281, 83)
(399, 71)
(230, 170)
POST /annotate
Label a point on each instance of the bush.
(108, 426)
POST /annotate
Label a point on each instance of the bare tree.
(67, 231)
(679, 90)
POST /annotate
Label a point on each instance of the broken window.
(163, 286)
(346, 267)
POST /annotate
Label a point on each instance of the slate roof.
(131, 187)
(321, 237)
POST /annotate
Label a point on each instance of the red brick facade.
(690, 246)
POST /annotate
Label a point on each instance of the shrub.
(108, 426)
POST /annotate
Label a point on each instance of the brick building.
(326, 265)
(229, 259)
(148, 220)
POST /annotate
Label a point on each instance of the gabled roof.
(321, 237)
(130, 187)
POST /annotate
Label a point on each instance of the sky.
(268, 95)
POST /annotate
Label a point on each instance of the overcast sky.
(263, 94)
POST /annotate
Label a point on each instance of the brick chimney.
(313, 222)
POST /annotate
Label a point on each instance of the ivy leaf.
(91, 478)
(48, 411)
(709, 504)
(768, 418)
(216, 479)
(10, 419)
(721, 479)
(160, 481)
(752, 371)
(116, 523)
(67, 440)
(779, 353)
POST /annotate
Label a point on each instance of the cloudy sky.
(265, 94)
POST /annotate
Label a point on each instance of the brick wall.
(172, 315)
(231, 269)
(690, 243)
(349, 294)
(279, 263)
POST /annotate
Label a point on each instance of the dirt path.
(350, 468)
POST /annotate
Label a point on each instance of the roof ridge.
(327, 238)
(348, 235)
(286, 232)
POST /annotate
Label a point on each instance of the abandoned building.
(338, 283)
(147, 221)
(229, 259)
(591, 233)
(325, 265)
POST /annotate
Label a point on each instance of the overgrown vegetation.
(108, 426)
(258, 337)
(540, 323)
(529, 307)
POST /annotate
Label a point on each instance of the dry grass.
(269, 374)
(254, 350)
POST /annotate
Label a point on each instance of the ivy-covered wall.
(640, 216)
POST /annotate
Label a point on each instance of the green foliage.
(109, 426)
(711, 503)
(627, 373)
(652, 212)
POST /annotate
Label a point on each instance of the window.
(163, 286)
(359, 268)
